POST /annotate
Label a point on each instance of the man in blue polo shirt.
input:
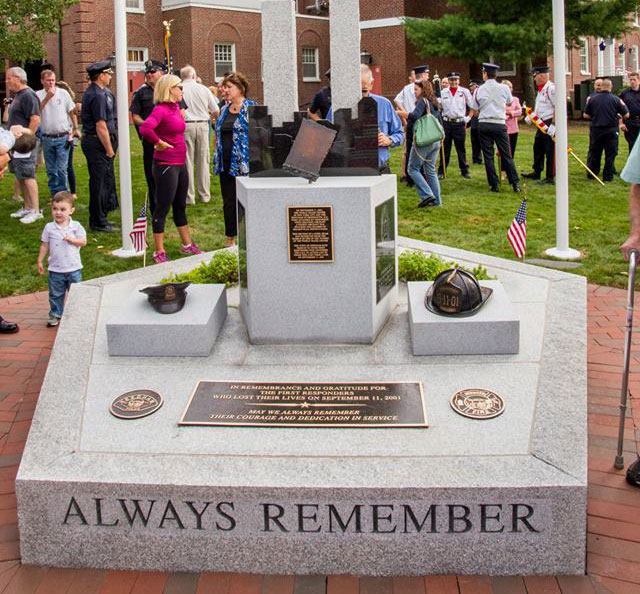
(390, 131)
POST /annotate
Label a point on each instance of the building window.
(621, 60)
(224, 58)
(633, 58)
(508, 68)
(136, 57)
(134, 5)
(584, 56)
(310, 70)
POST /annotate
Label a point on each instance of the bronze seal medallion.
(477, 403)
(136, 404)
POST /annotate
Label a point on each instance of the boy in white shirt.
(63, 238)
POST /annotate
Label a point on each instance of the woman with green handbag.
(426, 123)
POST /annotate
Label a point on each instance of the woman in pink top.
(165, 129)
(513, 111)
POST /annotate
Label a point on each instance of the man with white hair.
(24, 111)
(201, 107)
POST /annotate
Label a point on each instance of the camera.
(7, 101)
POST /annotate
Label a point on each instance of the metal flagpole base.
(567, 254)
(122, 253)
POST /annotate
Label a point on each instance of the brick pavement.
(613, 549)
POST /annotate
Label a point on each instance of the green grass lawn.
(471, 218)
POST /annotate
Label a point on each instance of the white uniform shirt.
(407, 98)
(545, 107)
(54, 118)
(201, 104)
(455, 106)
(490, 100)
(63, 257)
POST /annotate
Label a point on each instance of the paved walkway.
(613, 554)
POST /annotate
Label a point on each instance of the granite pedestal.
(494, 329)
(136, 329)
(499, 496)
(345, 300)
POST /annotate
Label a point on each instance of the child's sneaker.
(22, 211)
(160, 257)
(192, 249)
(32, 217)
(53, 321)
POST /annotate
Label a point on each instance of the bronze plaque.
(136, 404)
(477, 403)
(312, 404)
(385, 248)
(310, 233)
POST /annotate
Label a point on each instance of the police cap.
(153, 66)
(453, 75)
(421, 69)
(99, 67)
(539, 70)
(490, 68)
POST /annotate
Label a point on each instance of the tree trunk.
(527, 82)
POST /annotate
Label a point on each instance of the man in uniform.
(405, 100)
(604, 110)
(321, 102)
(141, 108)
(99, 144)
(472, 124)
(455, 100)
(631, 98)
(489, 101)
(545, 108)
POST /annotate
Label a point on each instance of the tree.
(24, 24)
(515, 31)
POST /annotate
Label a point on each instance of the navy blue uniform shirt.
(604, 108)
(632, 101)
(98, 104)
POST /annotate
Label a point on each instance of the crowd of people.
(175, 117)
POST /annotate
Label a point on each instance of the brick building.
(219, 35)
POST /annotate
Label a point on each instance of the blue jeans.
(422, 170)
(59, 283)
(56, 160)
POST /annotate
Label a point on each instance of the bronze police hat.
(167, 298)
(456, 292)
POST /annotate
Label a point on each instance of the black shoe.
(8, 327)
(547, 180)
(532, 175)
(633, 474)
(477, 161)
(516, 187)
(108, 228)
(430, 201)
(495, 189)
(466, 175)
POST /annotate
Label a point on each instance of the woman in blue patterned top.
(232, 146)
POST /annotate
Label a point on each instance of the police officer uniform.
(142, 105)
(489, 101)
(454, 115)
(543, 145)
(631, 99)
(98, 104)
(605, 109)
(476, 151)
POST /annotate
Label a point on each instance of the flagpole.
(124, 153)
(562, 249)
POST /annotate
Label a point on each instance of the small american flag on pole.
(517, 233)
(139, 232)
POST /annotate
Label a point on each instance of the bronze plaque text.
(310, 233)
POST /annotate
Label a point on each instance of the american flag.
(139, 233)
(168, 58)
(517, 233)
